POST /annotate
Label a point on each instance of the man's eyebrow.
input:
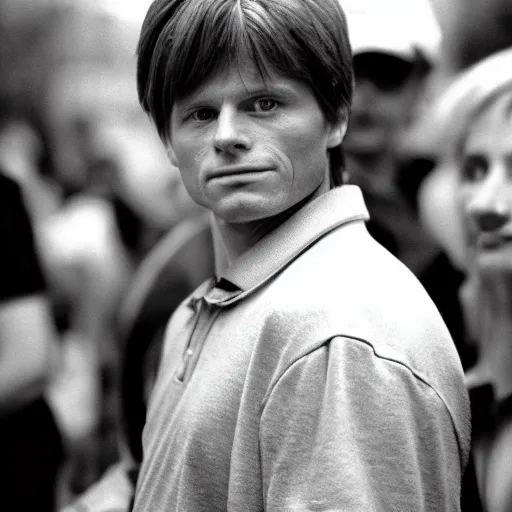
(258, 90)
(271, 88)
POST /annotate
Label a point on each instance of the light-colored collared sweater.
(315, 374)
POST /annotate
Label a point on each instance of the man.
(313, 372)
(391, 68)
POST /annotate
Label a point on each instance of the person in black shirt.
(30, 443)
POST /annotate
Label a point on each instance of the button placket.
(196, 305)
(205, 316)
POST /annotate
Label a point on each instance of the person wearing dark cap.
(393, 69)
(31, 444)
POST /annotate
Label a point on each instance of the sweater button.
(182, 368)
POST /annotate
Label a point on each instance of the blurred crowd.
(100, 242)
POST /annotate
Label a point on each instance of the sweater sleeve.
(346, 430)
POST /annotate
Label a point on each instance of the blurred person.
(26, 157)
(106, 146)
(31, 445)
(88, 266)
(88, 271)
(177, 264)
(442, 128)
(467, 204)
(133, 200)
(258, 375)
(60, 233)
(485, 194)
(392, 70)
(91, 245)
(124, 198)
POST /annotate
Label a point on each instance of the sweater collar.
(270, 255)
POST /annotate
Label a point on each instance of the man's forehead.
(247, 70)
(245, 76)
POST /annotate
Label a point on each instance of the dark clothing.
(490, 418)
(20, 272)
(31, 453)
(30, 444)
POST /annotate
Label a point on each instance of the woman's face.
(485, 192)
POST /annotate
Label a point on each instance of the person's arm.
(112, 493)
(27, 333)
(346, 430)
(27, 348)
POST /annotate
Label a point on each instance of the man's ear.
(171, 154)
(338, 131)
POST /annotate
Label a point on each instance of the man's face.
(249, 149)
(485, 191)
(384, 96)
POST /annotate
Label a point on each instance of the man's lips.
(238, 170)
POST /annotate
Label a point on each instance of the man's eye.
(265, 105)
(202, 115)
(474, 169)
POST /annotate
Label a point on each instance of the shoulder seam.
(416, 374)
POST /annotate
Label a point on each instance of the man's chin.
(244, 214)
(243, 207)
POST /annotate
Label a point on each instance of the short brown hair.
(183, 42)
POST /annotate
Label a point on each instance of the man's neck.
(231, 240)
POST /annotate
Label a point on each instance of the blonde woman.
(473, 187)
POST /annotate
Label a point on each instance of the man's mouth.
(238, 170)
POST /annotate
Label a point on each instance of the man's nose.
(489, 208)
(231, 133)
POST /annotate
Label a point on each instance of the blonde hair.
(451, 119)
